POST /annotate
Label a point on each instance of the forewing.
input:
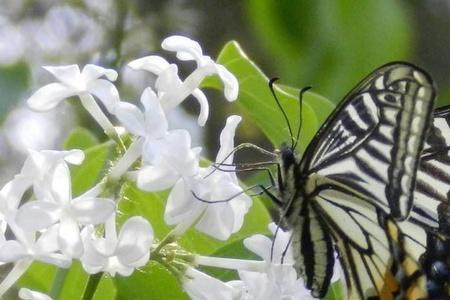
(373, 140)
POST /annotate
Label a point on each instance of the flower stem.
(231, 263)
(17, 271)
(94, 110)
(91, 286)
(58, 283)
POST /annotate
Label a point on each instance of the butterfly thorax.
(290, 185)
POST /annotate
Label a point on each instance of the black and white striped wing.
(433, 176)
(365, 241)
(373, 140)
(362, 164)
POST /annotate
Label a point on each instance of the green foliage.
(258, 105)
(87, 174)
(80, 138)
(331, 45)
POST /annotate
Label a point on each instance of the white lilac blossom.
(85, 85)
(117, 254)
(71, 214)
(201, 286)
(272, 278)
(166, 154)
(33, 245)
(28, 294)
(40, 165)
(188, 200)
(171, 90)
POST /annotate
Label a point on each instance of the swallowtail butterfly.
(432, 194)
(354, 187)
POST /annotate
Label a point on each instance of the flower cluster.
(40, 219)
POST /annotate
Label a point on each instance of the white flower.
(42, 246)
(201, 286)
(117, 254)
(171, 89)
(76, 83)
(278, 281)
(83, 84)
(267, 279)
(219, 219)
(40, 165)
(28, 294)
(166, 154)
(58, 206)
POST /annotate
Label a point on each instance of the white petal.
(131, 117)
(28, 294)
(61, 184)
(11, 251)
(154, 64)
(217, 221)
(69, 238)
(168, 80)
(37, 215)
(204, 106)
(69, 75)
(186, 48)
(227, 140)
(156, 124)
(181, 206)
(12, 193)
(106, 92)
(92, 210)
(92, 72)
(156, 178)
(48, 96)
(231, 84)
(240, 206)
(201, 286)
(47, 241)
(260, 245)
(59, 260)
(134, 241)
(74, 157)
(93, 260)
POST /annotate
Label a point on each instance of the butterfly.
(359, 171)
(432, 194)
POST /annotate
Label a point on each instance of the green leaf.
(38, 277)
(154, 282)
(80, 138)
(257, 103)
(88, 174)
(335, 291)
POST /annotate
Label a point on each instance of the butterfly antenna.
(271, 82)
(302, 91)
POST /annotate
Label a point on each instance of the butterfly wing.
(433, 176)
(378, 260)
(363, 163)
(373, 140)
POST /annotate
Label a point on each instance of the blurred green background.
(329, 45)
